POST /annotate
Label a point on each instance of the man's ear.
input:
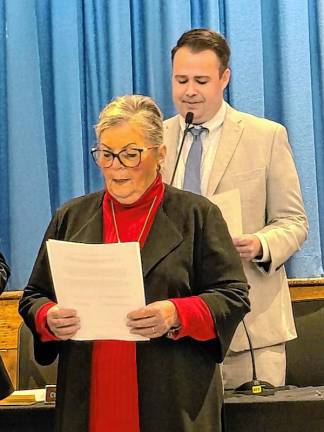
(225, 78)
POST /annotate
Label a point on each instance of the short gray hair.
(136, 109)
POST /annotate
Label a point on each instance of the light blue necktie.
(191, 180)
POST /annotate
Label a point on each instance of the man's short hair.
(203, 39)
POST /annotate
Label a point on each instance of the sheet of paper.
(229, 204)
(103, 282)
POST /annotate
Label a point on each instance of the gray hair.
(139, 110)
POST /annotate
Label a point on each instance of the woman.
(196, 292)
(5, 382)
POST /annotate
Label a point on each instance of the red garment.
(195, 317)
(41, 324)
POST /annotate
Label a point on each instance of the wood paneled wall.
(10, 320)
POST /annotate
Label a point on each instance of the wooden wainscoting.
(10, 320)
(306, 289)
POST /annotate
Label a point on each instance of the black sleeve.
(38, 292)
(4, 273)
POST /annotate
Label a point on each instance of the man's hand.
(248, 246)
(153, 320)
(63, 323)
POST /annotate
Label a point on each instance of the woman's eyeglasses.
(129, 157)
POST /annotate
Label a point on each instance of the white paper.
(229, 204)
(102, 282)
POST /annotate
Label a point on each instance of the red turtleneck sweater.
(114, 389)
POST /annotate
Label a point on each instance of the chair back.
(30, 374)
(305, 355)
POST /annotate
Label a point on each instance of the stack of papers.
(102, 282)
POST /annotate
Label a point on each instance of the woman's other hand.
(153, 320)
(63, 323)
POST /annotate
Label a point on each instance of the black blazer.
(5, 382)
(188, 252)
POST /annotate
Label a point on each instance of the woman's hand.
(153, 320)
(63, 323)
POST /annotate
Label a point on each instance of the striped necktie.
(191, 180)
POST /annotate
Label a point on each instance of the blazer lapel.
(231, 134)
(163, 238)
(91, 231)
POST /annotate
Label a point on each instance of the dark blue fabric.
(62, 61)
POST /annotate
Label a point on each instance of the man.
(251, 156)
(5, 383)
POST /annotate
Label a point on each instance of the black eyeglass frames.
(129, 157)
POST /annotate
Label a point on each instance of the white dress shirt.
(210, 141)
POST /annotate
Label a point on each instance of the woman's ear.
(161, 155)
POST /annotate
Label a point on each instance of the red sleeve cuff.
(41, 323)
(195, 317)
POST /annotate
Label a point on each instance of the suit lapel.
(163, 238)
(231, 134)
